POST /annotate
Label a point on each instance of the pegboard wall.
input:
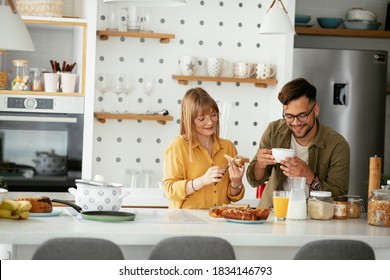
(207, 28)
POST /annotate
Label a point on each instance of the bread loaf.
(39, 204)
(238, 161)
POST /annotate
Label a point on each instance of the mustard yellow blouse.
(178, 169)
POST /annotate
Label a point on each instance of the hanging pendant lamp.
(13, 32)
(276, 20)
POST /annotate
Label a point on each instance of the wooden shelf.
(314, 31)
(101, 117)
(41, 93)
(164, 38)
(183, 80)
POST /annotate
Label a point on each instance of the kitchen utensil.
(49, 163)
(360, 14)
(98, 195)
(329, 22)
(226, 169)
(108, 216)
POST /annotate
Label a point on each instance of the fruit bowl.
(329, 22)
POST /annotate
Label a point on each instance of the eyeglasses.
(203, 120)
(302, 117)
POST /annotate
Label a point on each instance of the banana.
(9, 204)
(23, 215)
(4, 213)
(24, 205)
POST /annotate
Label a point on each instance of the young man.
(321, 154)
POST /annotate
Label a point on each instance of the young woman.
(196, 173)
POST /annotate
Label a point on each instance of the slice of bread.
(238, 161)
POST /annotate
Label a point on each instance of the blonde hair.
(195, 102)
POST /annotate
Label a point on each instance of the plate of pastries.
(240, 213)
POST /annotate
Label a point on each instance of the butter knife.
(226, 169)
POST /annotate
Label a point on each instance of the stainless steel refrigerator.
(351, 90)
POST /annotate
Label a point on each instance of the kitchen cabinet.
(79, 29)
(183, 80)
(164, 38)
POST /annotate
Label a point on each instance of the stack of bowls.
(357, 18)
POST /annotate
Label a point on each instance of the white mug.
(215, 65)
(244, 70)
(188, 65)
(265, 71)
(68, 82)
(51, 81)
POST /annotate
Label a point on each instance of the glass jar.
(378, 213)
(3, 70)
(320, 205)
(20, 80)
(36, 80)
(340, 207)
(354, 206)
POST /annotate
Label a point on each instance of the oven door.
(40, 151)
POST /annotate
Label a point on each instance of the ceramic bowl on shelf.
(302, 19)
(361, 24)
(329, 22)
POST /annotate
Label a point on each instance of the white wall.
(228, 29)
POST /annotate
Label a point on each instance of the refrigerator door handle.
(340, 94)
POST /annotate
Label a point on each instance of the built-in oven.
(41, 141)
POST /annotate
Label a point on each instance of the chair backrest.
(335, 250)
(193, 248)
(78, 249)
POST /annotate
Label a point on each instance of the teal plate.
(108, 216)
(55, 212)
(245, 221)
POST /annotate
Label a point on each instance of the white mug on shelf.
(188, 65)
(265, 71)
(215, 65)
(243, 70)
(51, 81)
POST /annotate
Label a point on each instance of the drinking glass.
(118, 85)
(103, 85)
(280, 201)
(148, 83)
(128, 88)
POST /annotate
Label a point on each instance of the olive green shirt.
(329, 158)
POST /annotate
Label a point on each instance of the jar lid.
(321, 194)
(381, 192)
(340, 198)
(20, 62)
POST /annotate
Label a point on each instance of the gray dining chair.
(193, 248)
(335, 249)
(75, 248)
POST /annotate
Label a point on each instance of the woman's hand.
(213, 175)
(236, 173)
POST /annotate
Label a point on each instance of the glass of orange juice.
(280, 201)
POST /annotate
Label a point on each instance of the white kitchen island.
(271, 240)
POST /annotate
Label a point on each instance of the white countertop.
(152, 225)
